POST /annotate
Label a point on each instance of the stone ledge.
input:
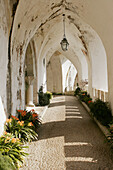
(41, 114)
(40, 110)
(102, 128)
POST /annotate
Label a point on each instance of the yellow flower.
(21, 123)
(30, 124)
(8, 138)
(13, 140)
(9, 120)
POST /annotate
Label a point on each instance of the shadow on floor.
(84, 144)
(56, 104)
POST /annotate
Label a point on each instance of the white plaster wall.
(3, 52)
(68, 70)
(99, 66)
(54, 74)
(72, 76)
(3, 65)
(42, 74)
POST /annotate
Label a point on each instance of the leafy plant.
(12, 147)
(82, 95)
(110, 137)
(43, 99)
(77, 91)
(6, 163)
(20, 130)
(49, 95)
(57, 93)
(101, 111)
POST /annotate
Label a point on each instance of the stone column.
(102, 96)
(106, 97)
(30, 80)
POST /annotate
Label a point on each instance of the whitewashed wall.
(3, 64)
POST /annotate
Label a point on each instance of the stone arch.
(84, 33)
(30, 75)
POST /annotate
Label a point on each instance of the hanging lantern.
(64, 43)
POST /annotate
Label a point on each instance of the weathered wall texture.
(3, 53)
(42, 20)
(3, 64)
(54, 75)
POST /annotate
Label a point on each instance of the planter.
(102, 128)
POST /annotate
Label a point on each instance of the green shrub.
(43, 99)
(12, 147)
(82, 95)
(20, 130)
(49, 95)
(77, 91)
(101, 111)
(110, 137)
(59, 93)
(54, 93)
(6, 163)
(87, 99)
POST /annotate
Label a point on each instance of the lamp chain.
(64, 24)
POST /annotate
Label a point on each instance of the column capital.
(29, 79)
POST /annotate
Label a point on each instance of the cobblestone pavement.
(69, 140)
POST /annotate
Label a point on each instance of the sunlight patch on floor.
(80, 159)
(74, 107)
(74, 117)
(71, 109)
(78, 144)
(77, 113)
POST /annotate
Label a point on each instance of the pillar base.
(30, 105)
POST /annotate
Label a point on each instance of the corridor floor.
(69, 140)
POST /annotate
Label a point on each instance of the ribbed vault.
(41, 21)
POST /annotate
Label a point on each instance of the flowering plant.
(29, 116)
(21, 130)
(90, 101)
(13, 148)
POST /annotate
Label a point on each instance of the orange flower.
(13, 140)
(30, 124)
(23, 113)
(14, 117)
(111, 126)
(34, 115)
(20, 111)
(5, 133)
(21, 123)
(83, 94)
(9, 120)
